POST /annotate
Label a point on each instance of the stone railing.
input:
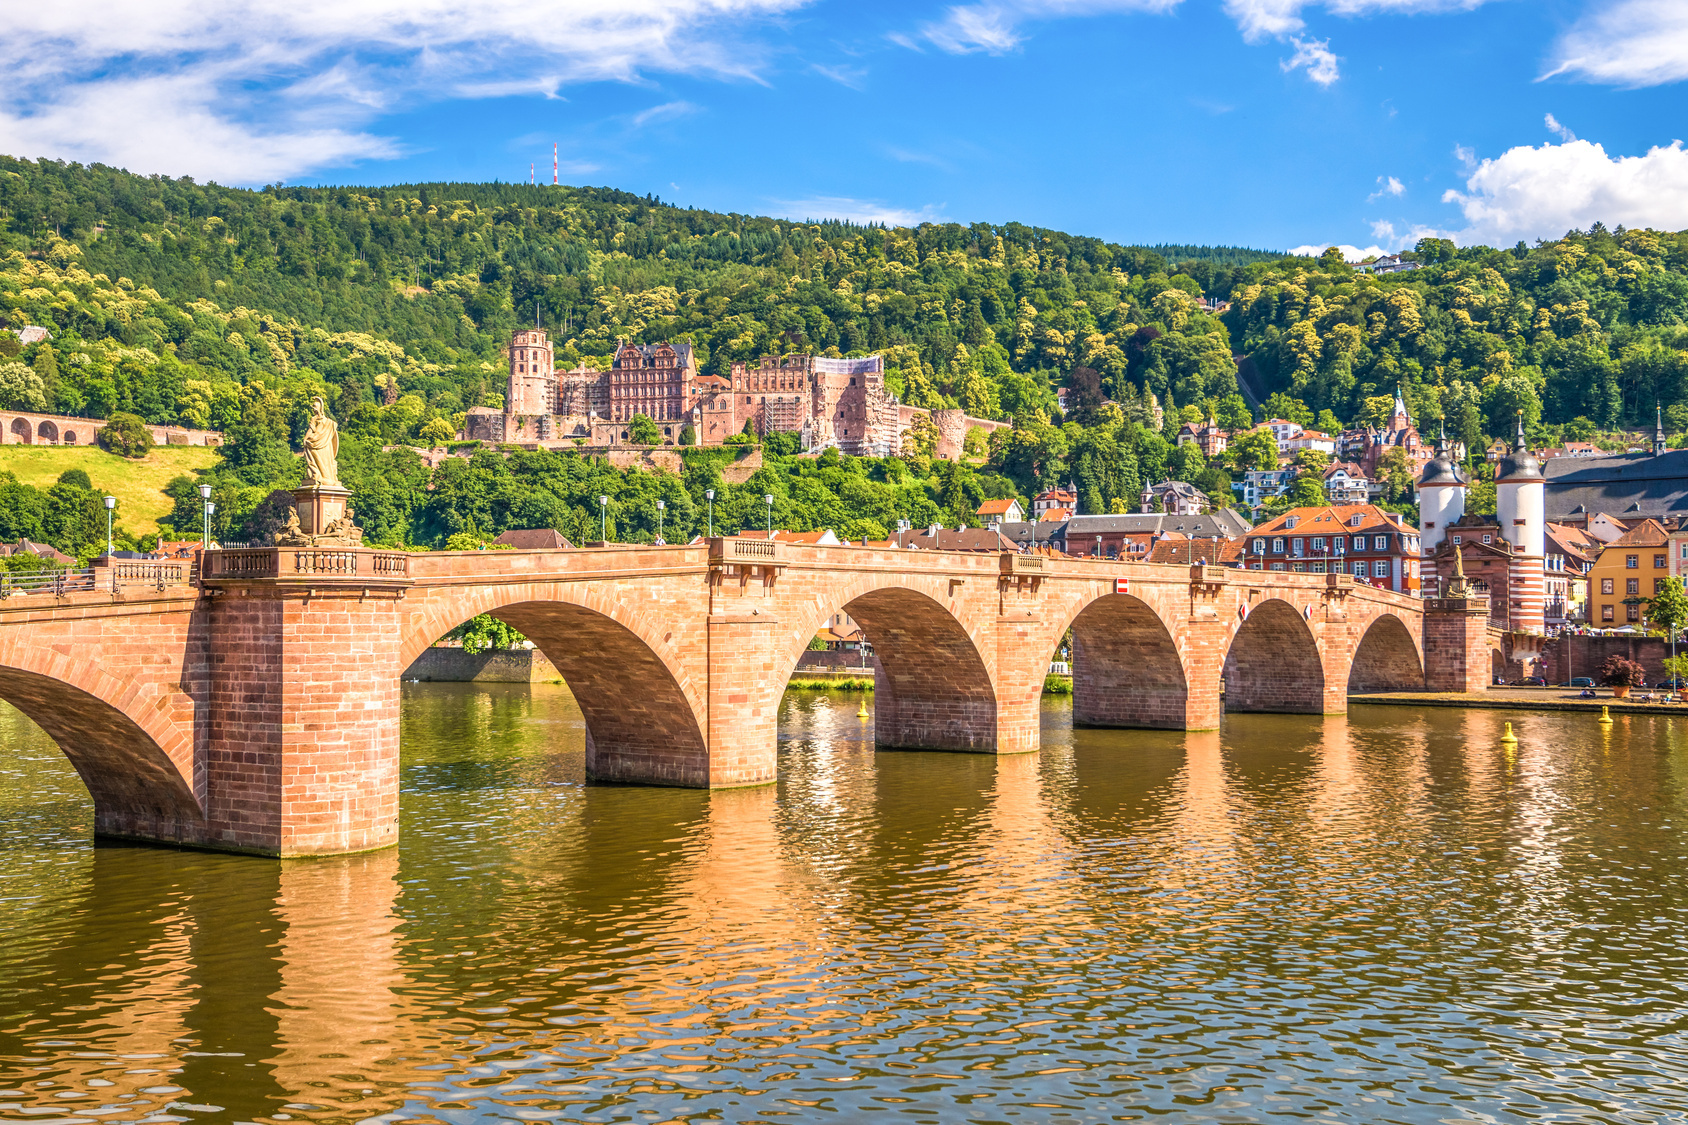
(746, 552)
(304, 562)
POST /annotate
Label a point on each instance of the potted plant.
(1620, 675)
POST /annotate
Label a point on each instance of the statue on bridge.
(322, 448)
(321, 516)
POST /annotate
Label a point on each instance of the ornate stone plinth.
(322, 517)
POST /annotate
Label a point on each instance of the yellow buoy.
(1509, 736)
(1605, 715)
(862, 712)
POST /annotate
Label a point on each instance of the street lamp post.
(660, 506)
(110, 503)
(710, 495)
(604, 521)
(1098, 546)
(205, 501)
(768, 499)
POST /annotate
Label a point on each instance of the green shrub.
(126, 435)
(1057, 685)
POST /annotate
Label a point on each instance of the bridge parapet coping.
(306, 564)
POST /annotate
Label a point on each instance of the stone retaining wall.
(499, 666)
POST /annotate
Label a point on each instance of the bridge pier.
(303, 749)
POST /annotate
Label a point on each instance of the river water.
(1389, 917)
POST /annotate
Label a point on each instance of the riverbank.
(1519, 699)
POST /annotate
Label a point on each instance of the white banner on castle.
(867, 365)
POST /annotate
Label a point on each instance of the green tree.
(1256, 449)
(436, 431)
(125, 434)
(1668, 609)
(21, 388)
(483, 633)
(688, 435)
(642, 430)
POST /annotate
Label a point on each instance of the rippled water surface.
(1383, 918)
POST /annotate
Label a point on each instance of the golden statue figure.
(322, 448)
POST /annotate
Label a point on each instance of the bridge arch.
(1387, 659)
(933, 689)
(48, 432)
(1273, 662)
(1127, 670)
(644, 708)
(138, 766)
(21, 433)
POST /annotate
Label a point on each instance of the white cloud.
(1627, 43)
(247, 91)
(997, 26)
(993, 27)
(1527, 193)
(1349, 253)
(852, 210)
(1279, 19)
(667, 111)
(851, 76)
(1559, 130)
(1387, 185)
(1315, 55)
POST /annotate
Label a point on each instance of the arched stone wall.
(932, 690)
(48, 433)
(1127, 671)
(139, 767)
(1273, 663)
(1387, 659)
(644, 713)
(21, 433)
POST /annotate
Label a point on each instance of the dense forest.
(227, 308)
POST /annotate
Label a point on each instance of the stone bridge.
(255, 706)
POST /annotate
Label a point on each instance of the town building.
(1132, 537)
(1205, 436)
(1052, 499)
(1368, 445)
(1389, 263)
(994, 513)
(1261, 486)
(1375, 546)
(1312, 440)
(1571, 552)
(1646, 484)
(1174, 497)
(1346, 483)
(533, 539)
(1629, 571)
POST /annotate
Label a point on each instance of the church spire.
(1658, 429)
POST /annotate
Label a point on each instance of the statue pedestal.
(320, 506)
(324, 518)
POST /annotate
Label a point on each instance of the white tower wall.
(1438, 506)
(1522, 510)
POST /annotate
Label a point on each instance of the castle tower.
(1441, 501)
(533, 376)
(1521, 506)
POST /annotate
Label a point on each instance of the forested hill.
(446, 271)
(229, 308)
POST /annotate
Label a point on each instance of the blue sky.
(1270, 123)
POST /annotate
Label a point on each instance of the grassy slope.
(138, 485)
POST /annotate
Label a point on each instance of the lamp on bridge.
(709, 493)
(661, 505)
(604, 513)
(768, 499)
(205, 500)
(110, 503)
